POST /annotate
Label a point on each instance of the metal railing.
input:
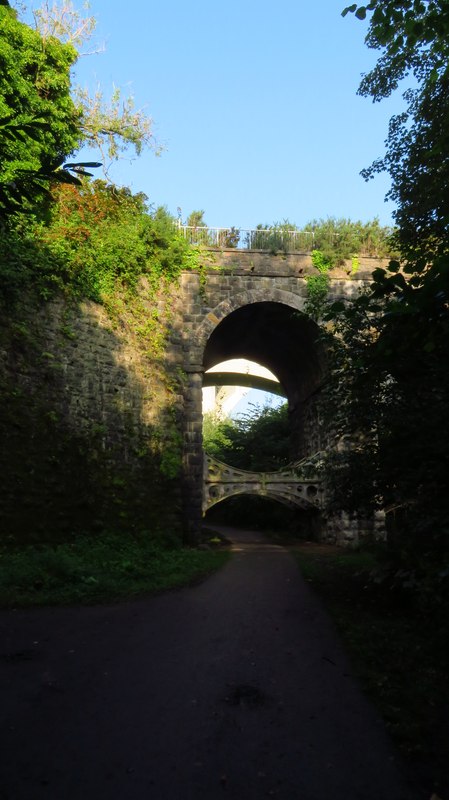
(283, 240)
(244, 239)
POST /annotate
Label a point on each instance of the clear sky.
(255, 103)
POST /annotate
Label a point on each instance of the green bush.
(98, 238)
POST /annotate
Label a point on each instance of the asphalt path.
(235, 688)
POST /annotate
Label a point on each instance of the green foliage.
(216, 439)
(282, 237)
(413, 38)
(392, 351)
(321, 262)
(100, 569)
(115, 125)
(342, 239)
(257, 440)
(42, 120)
(230, 237)
(110, 125)
(337, 239)
(198, 233)
(98, 238)
(196, 220)
(386, 397)
(317, 285)
(39, 122)
(413, 35)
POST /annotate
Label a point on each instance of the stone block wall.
(89, 422)
(348, 530)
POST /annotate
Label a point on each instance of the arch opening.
(266, 514)
(228, 383)
(284, 341)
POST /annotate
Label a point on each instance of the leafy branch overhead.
(359, 11)
(413, 35)
(112, 127)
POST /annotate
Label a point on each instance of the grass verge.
(97, 570)
(398, 653)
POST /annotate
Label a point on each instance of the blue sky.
(255, 103)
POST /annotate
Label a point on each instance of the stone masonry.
(236, 280)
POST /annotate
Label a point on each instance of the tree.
(39, 122)
(257, 440)
(391, 348)
(112, 126)
(414, 38)
(43, 119)
(196, 220)
(385, 401)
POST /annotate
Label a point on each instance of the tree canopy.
(43, 118)
(413, 36)
(389, 386)
(110, 125)
(39, 121)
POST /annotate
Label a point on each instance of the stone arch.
(275, 333)
(203, 307)
(284, 305)
(237, 491)
(248, 297)
(222, 481)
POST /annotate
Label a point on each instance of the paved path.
(236, 688)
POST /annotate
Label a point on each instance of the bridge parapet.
(286, 486)
(261, 263)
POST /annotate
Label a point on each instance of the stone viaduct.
(248, 304)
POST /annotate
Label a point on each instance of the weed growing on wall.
(318, 285)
